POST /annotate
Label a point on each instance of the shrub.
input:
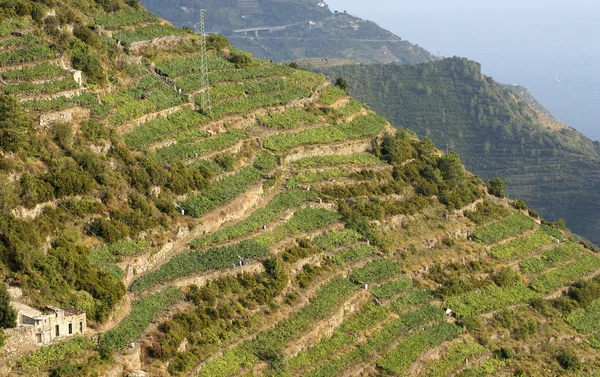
(520, 205)
(241, 59)
(506, 277)
(216, 42)
(87, 36)
(505, 353)
(226, 161)
(568, 359)
(497, 187)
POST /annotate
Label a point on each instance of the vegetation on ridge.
(550, 166)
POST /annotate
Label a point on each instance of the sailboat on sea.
(556, 77)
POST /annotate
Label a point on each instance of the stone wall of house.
(78, 325)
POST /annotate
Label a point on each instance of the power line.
(205, 85)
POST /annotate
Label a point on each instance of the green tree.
(389, 149)
(87, 63)
(8, 316)
(451, 168)
(497, 187)
(14, 124)
(341, 83)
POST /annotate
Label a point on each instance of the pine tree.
(8, 316)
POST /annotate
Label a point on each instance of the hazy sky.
(517, 41)
(435, 24)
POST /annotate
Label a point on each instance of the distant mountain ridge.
(293, 30)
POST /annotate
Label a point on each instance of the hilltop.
(498, 130)
(293, 30)
(286, 230)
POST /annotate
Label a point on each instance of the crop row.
(488, 299)
(105, 257)
(48, 357)
(411, 299)
(26, 55)
(367, 318)
(26, 41)
(189, 65)
(353, 254)
(378, 342)
(306, 79)
(586, 320)
(40, 71)
(352, 107)
(321, 161)
(332, 240)
(142, 313)
(262, 216)
(193, 81)
(508, 227)
(319, 175)
(266, 161)
(305, 220)
(117, 20)
(289, 119)
(209, 165)
(146, 33)
(159, 129)
(521, 245)
(400, 359)
(200, 261)
(270, 343)
(392, 288)
(149, 95)
(564, 274)
(60, 103)
(182, 151)
(331, 95)
(246, 105)
(488, 368)
(227, 92)
(48, 87)
(547, 259)
(115, 252)
(376, 271)
(12, 25)
(456, 356)
(223, 191)
(363, 126)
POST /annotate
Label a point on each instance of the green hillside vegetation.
(287, 231)
(552, 167)
(306, 30)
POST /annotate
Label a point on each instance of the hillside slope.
(286, 230)
(293, 30)
(549, 165)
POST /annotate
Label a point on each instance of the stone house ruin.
(43, 328)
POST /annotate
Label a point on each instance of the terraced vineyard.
(287, 231)
(29, 68)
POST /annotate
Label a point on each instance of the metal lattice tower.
(205, 85)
